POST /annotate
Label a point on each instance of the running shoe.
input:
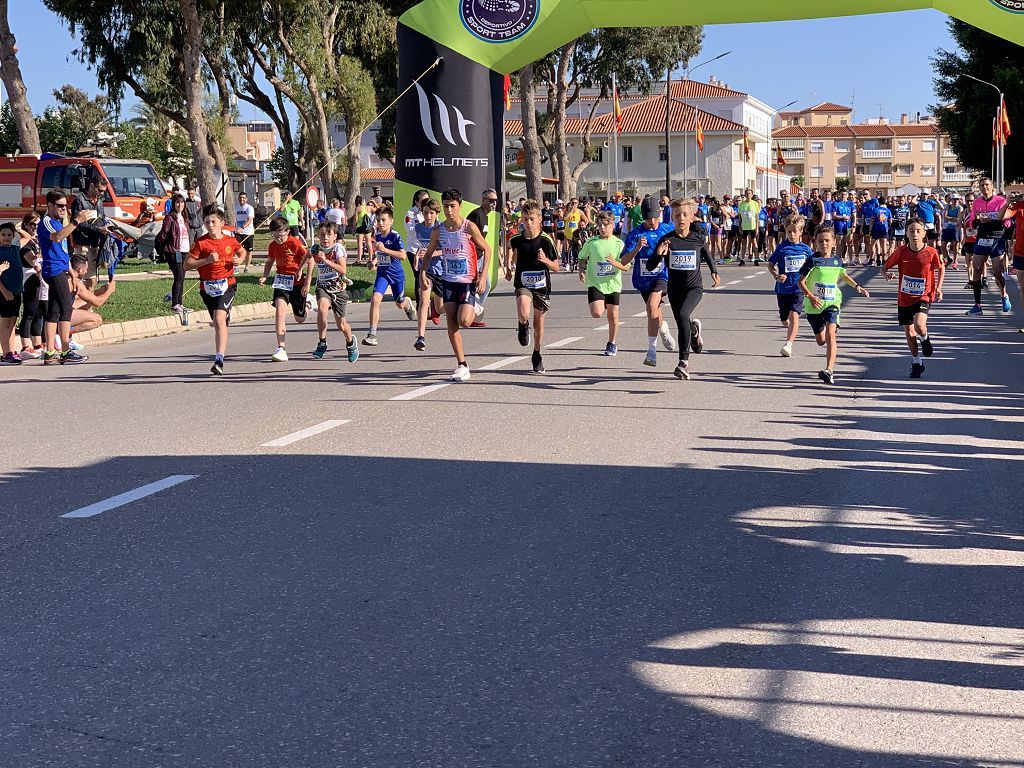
(1007, 306)
(217, 369)
(696, 340)
(420, 345)
(168, 298)
(523, 334)
(279, 356)
(682, 371)
(321, 349)
(11, 358)
(967, 285)
(975, 310)
(410, 311)
(49, 358)
(30, 354)
(177, 309)
(984, 282)
(651, 359)
(827, 376)
(71, 357)
(666, 337)
(353, 351)
(478, 324)
(370, 340)
(741, 263)
(74, 346)
(916, 370)
(461, 374)
(787, 349)
(926, 347)
(538, 362)
(610, 350)
(435, 316)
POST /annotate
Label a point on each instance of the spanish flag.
(1004, 121)
(995, 130)
(508, 92)
(700, 134)
(746, 145)
(616, 108)
(780, 160)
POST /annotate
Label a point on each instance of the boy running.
(388, 255)
(331, 289)
(918, 264)
(429, 274)
(289, 256)
(784, 265)
(533, 258)
(602, 271)
(213, 255)
(819, 282)
(651, 284)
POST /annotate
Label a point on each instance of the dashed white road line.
(128, 497)
(641, 314)
(563, 342)
(747, 277)
(422, 391)
(302, 434)
(502, 363)
(734, 282)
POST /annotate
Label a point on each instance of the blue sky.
(776, 62)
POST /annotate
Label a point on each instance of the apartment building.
(822, 144)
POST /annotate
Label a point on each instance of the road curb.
(165, 325)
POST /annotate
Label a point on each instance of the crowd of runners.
(809, 245)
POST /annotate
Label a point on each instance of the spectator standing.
(88, 238)
(174, 244)
(34, 296)
(245, 229)
(12, 284)
(193, 215)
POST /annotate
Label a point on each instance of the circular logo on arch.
(499, 21)
(1014, 6)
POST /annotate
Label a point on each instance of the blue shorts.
(457, 293)
(841, 227)
(818, 320)
(950, 235)
(990, 246)
(879, 233)
(789, 302)
(1018, 263)
(395, 282)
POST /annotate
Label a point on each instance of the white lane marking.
(302, 434)
(641, 314)
(602, 327)
(734, 282)
(502, 363)
(564, 342)
(762, 272)
(747, 277)
(130, 496)
(422, 391)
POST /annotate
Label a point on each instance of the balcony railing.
(958, 176)
(873, 154)
(792, 154)
(948, 152)
(874, 178)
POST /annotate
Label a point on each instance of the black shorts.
(789, 302)
(560, 235)
(541, 298)
(457, 293)
(10, 308)
(222, 303)
(334, 292)
(295, 231)
(864, 230)
(1018, 263)
(810, 228)
(819, 320)
(435, 284)
(593, 294)
(735, 231)
(905, 315)
(246, 241)
(362, 231)
(968, 247)
(932, 234)
(293, 297)
(749, 233)
(61, 302)
(658, 285)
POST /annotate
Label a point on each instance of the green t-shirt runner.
(749, 210)
(291, 211)
(636, 216)
(602, 275)
(823, 275)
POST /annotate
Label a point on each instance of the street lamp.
(771, 130)
(668, 155)
(998, 170)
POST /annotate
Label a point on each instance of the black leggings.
(683, 302)
(178, 270)
(33, 310)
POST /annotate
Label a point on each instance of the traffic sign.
(312, 197)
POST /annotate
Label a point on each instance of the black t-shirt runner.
(547, 220)
(684, 257)
(530, 273)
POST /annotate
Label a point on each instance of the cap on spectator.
(651, 208)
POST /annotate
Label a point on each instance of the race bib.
(605, 269)
(684, 260)
(912, 286)
(986, 242)
(325, 274)
(456, 267)
(949, 225)
(645, 272)
(899, 232)
(868, 221)
(534, 279)
(794, 263)
(828, 217)
(215, 287)
(972, 232)
(284, 282)
(825, 291)
(748, 217)
(383, 260)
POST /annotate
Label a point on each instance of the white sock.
(918, 360)
(923, 336)
(652, 344)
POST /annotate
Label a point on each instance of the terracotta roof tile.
(693, 89)
(872, 130)
(790, 132)
(915, 129)
(827, 106)
(377, 174)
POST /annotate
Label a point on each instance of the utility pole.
(668, 142)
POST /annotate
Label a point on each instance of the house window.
(927, 170)
(817, 172)
(904, 170)
(598, 154)
(928, 145)
(842, 146)
(627, 153)
(662, 153)
(817, 147)
(950, 169)
(903, 146)
(842, 170)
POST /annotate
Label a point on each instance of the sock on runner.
(652, 344)
(918, 360)
(219, 358)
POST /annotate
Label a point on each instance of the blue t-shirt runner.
(643, 278)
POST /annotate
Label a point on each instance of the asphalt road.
(602, 566)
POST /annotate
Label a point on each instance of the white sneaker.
(787, 349)
(280, 356)
(666, 338)
(461, 374)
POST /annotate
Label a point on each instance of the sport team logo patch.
(1014, 6)
(499, 21)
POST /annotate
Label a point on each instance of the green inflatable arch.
(450, 125)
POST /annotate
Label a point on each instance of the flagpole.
(615, 132)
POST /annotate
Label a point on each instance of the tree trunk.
(531, 141)
(353, 185)
(10, 72)
(560, 161)
(198, 130)
(586, 144)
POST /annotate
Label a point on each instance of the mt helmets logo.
(500, 21)
(1014, 6)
